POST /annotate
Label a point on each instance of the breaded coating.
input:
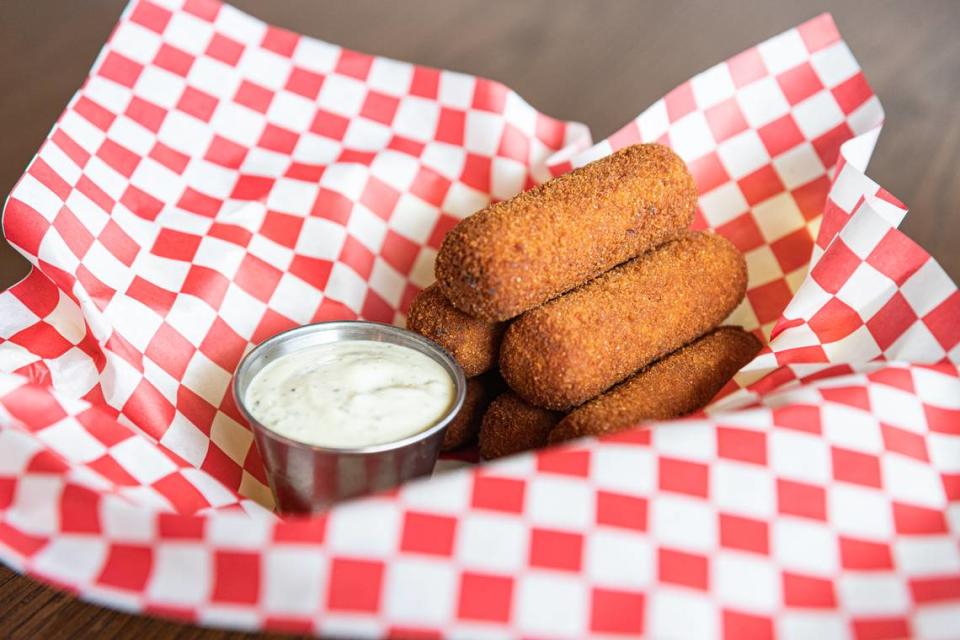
(511, 426)
(678, 384)
(577, 346)
(466, 424)
(473, 343)
(517, 254)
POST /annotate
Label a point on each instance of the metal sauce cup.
(307, 477)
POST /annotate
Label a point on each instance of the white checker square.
(712, 86)
(346, 179)
(447, 493)
(799, 456)
(937, 621)
(746, 582)
(16, 316)
(215, 78)
(858, 346)
(241, 311)
(873, 594)
(387, 282)
(159, 87)
(232, 437)
(859, 512)
(936, 388)
(684, 523)
(817, 114)
(446, 159)
(926, 555)
(851, 428)
(456, 89)
(491, 542)
(762, 102)
(38, 196)
(142, 460)
(70, 559)
(416, 118)
(295, 299)
(624, 469)
(36, 504)
(834, 64)
(187, 32)
(316, 55)
(422, 273)
(72, 441)
(265, 68)
(291, 111)
(244, 125)
(187, 441)
(693, 440)
(292, 196)
(188, 135)
(804, 546)
(520, 114)
(898, 408)
(783, 51)
(133, 41)
(462, 200)
(482, 132)
(690, 136)
(799, 165)
(294, 579)
(60, 162)
(370, 527)
(913, 482)
(366, 135)
(762, 266)
(192, 317)
(320, 238)
(743, 154)
(805, 624)
(723, 204)
(676, 613)
(944, 452)
(916, 344)
(105, 177)
(390, 76)
(133, 320)
(367, 228)
(127, 523)
(923, 290)
(867, 290)
(314, 149)
(80, 131)
(654, 122)
(620, 559)
(181, 574)
(414, 218)
(565, 503)
(135, 136)
(551, 605)
(743, 489)
(239, 25)
(507, 178)
(342, 95)
(394, 168)
(420, 592)
(778, 216)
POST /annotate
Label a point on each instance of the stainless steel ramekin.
(307, 477)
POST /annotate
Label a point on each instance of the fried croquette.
(577, 346)
(473, 343)
(517, 254)
(678, 384)
(466, 424)
(511, 425)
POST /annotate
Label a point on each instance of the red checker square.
(450, 126)
(913, 520)
(250, 187)
(278, 139)
(399, 252)
(835, 321)
(257, 277)
(47, 462)
(556, 550)
(280, 41)
(864, 554)
(856, 467)
(811, 197)
(356, 157)
(942, 419)
(428, 533)
(425, 82)
(45, 174)
(746, 67)
(174, 60)
(619, 612)
(332, 206)
(357, 256)
(170, 350)
(852, 92)
(354, 64)
(354, 585)
(236, 577)
(88, 188)
(224, 49)
(489, 95)
(206, 284)
(200, 412)
(897, 256)
(198, 104)
(760, 185)
(818, 33)
(835, 267)
(181, 493)
(893, 377)
(780, 135)
(680, 102)
(891, 321)
(935, 589)
(769, 300)
(951, 486)
(170, 158)
(827, 145)
(120, 69)
(223, 345)
(253, 96)
(571, 462)
(746, 626)
(145, 113)
(127, 567)
(313, 271)
(808, 591)
(102, 427)
(406, 145)
(742, 444)
(118, 157)
(176, 245)
(793, 250)
(222, 467)
(152, 295)
(225, 153)
(799, 83)
(800, 499)
(149, 409)
(379, 197)
(744, 534)
(686, 569)
(313, 530)
(73, 233)
(329, 125)
(282, 228)
(629, 134)
(743, 232)
(476, 172)
(498, 494)
(376, 308)
(485, 597)
(37, 292)
(304, 83)
(305, 171)
(725, 119)
(110, 469)
(35, 408)
(550, 132)
(854, 396)
(944, 321)
(514, 144)
(43, 340)
(205, 9)
(379, 107)
(151, 16)
(74, 151)
(616, 510)
(681, 476)
(708, 172)
(430, 186)
(79, 511)
(881, 628)
(31, 226)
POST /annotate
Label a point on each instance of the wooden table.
(598, 63)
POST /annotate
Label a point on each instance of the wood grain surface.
(600, 63)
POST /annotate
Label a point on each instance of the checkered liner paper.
(217, 180)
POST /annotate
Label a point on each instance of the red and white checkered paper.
(217, 180)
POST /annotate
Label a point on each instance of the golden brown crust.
(511, 425)
(466, 425)
(473, 343)
(517, 254)
(678, 384)
(575, 347)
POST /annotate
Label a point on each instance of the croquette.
(465, 425)
(511, 425)
(473, 343)
(517, 254)
(678, 384)
(575, 347)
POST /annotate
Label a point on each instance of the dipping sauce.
(351, 393)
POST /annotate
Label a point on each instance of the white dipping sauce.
(350, 394)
